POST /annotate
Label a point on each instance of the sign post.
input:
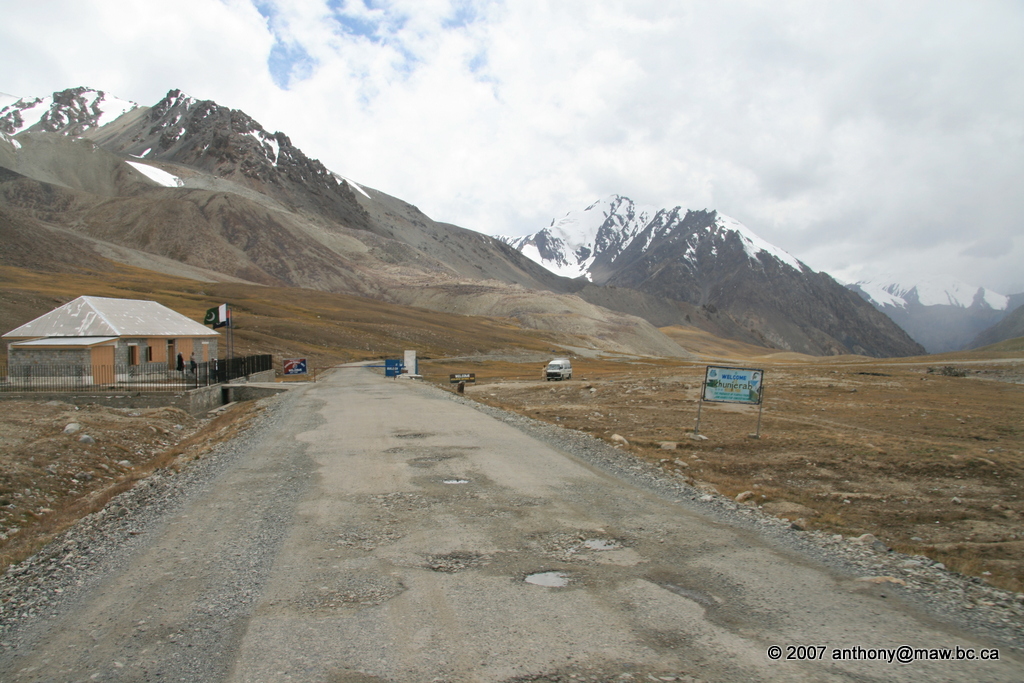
(733, 385)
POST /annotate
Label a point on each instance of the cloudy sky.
(861, 136)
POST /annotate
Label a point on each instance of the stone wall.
(22, 357)
(194, 402)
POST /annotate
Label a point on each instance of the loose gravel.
(47, 583)
(925, 585)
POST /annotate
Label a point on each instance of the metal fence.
(122, 377)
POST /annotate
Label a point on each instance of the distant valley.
(942, 314)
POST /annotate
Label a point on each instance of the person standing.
(192, 363)
(181, 363)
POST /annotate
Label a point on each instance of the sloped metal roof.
(93, 316)
(63, 342)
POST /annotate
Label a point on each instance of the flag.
(218, 317)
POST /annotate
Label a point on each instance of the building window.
(133, 354)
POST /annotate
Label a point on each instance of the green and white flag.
(218, 317)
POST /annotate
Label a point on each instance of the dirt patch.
(59, 462)
(930, 463)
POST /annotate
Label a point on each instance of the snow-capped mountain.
(719, 266)
(570, 245)
(70, 111)
(890, 291)
(194, 183)
(573, 245)
(942, 314)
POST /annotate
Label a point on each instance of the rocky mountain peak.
(231, 144)
(70, 112)
(704, 259)
(592, 243)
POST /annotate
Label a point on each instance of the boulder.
(788, 510)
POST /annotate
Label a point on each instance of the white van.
(559, 368)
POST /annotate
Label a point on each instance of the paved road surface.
(385, 533)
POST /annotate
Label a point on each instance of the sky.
(865, 137)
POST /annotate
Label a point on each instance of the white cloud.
(851, 134)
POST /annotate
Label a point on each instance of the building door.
(102, 364)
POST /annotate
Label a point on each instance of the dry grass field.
(925, 453)
(323, 327)
(930, 463)
(50, 477)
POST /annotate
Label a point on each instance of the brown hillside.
(328, 328)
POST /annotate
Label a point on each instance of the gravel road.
(379, 530)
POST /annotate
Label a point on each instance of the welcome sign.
(733, 385)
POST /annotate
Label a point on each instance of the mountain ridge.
(192, 182)
(943, 314)
(716, 264)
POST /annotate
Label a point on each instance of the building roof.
(93, 316)
(63, 342)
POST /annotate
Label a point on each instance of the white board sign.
(733, 385)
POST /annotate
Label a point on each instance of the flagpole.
(231, 335)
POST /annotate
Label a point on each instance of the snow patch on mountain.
(24, 114)
(76, 107)
(10, 141)
(351, 183)
(111, 108)
(753, 245)
(157, 175)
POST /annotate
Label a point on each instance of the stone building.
(101, 336)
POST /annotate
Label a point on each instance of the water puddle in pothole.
(548, 579)
(455, 481)
(600, 544)
(703, 599)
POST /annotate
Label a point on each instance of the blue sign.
(392, 368)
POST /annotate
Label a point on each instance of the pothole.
(411, 435)
(350, 592)
(456, 562)
(426, 461)
(365, 538)
(601, 544)
(702, 599)
(455, 481)
(548, 579)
